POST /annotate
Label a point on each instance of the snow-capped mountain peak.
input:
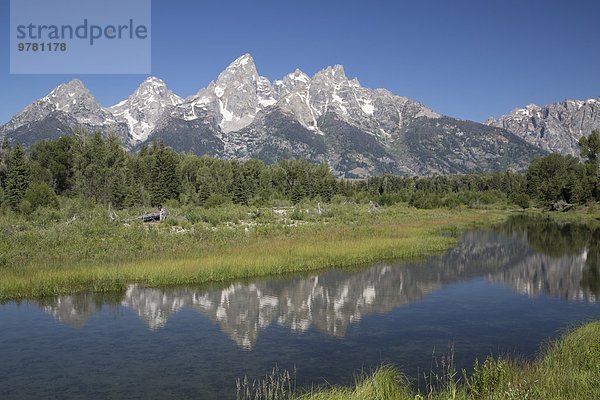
(143, 108)
(555, 127)
(238, 94)
(324, 118)
(70, 96)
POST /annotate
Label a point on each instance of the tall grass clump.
(278, 385)
(567, 369)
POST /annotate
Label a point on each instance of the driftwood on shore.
(373, 206)
(561, 205)
(156, 216)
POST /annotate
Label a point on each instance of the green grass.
(81, 250)
(567, 369)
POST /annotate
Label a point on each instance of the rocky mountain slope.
(325, 118)
(143, 108)
(57, 114)
(554, 127)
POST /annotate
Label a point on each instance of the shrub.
(216, 200)
(38, 195)
(520, 199)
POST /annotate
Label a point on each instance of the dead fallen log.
(156, 216)
(561, 206)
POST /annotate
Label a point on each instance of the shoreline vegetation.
(66, 226)
(66, 208)
(86, 251)
(83, 246)
(566, 368)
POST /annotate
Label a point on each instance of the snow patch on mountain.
(144, 107)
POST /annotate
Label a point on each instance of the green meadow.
(83, 248)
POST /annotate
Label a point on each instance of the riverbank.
(568, 368)
(82, 249)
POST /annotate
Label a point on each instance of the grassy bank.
(82, 249)
(567, 369)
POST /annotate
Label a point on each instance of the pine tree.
(240, 188)
(164, 177)
(325, 183)
(17, 177)
(91, 171)
(4, 156)
(115, 190)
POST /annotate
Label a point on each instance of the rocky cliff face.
(57, 114)
(554, 127)
(141, 111)
(328, 118)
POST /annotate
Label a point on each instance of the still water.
(501, 291)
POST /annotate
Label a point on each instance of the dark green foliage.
(591, 275)
(520, 199)
(216, 200)
(52, 162)
(556, 177)
(164, 178)
(590, 146)
(38, 195)
(590, 149)
(99, 169)
(4, 156)
(17, 177)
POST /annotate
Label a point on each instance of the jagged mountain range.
(328, 118)
(554, 127)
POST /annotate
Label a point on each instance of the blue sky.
(466, 59)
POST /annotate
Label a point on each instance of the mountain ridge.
(554, 127)
(328, 117)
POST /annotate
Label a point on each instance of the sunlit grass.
(63, 258)
(567, 369)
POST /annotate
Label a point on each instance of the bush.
(298, 214)
(487, 377)
(520, 199)
(216, 215)
(216, 200)
(38, 195)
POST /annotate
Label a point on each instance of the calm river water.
(505, 290)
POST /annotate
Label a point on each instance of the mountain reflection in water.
(535, 257)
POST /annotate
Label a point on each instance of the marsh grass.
(278, 385)
(81, 249)
(567, 369)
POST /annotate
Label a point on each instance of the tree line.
(93, 167)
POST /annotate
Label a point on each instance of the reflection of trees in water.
(591, 274)
(549, 237)
(558, 240)
(75, 310)
(518, 254)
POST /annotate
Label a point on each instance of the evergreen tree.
(115, 189)
(165, 184)
(53, 163)
(17, 177)
(91, 171)
(4, 157)
(240, 190)
(325, 182)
